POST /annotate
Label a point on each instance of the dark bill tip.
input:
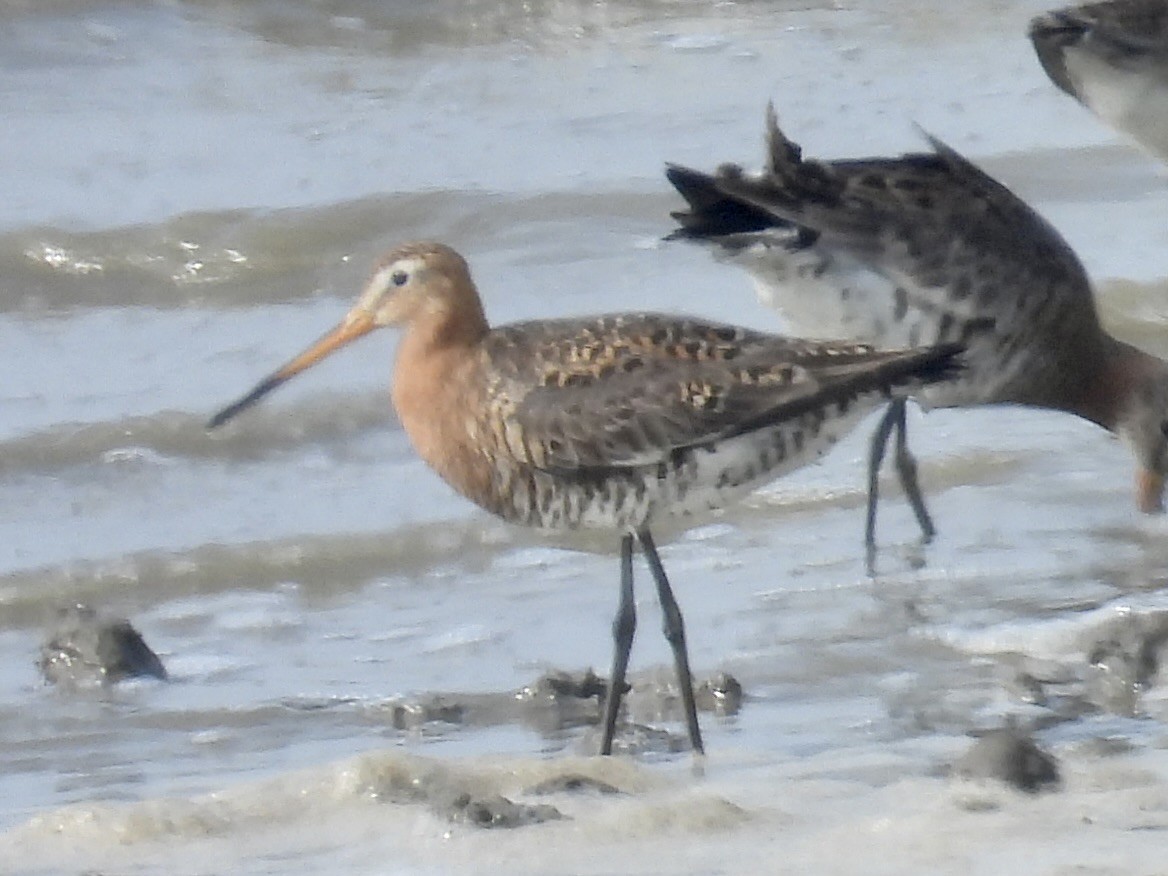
(262, 389)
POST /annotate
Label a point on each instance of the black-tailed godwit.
(609, 422)
(928, 249)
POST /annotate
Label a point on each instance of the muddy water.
(195, 190)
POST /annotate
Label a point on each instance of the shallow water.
(196, 190)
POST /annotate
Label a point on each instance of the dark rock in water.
(558, 701)
(572, 783)
(641, 740)
(86, 649)
(560, 685)
(1010, 755)
(553, 702)
(655, 698)
(445, 793)
(439, 707)
(1125, 661)
(498, 811)
(721, 694)
(1028, 688)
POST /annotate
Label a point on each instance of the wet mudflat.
(355, 655)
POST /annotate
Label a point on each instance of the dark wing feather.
(679, 393)
(920, 219)
(632, 420)
(712, 213)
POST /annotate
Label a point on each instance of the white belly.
(1133, 100)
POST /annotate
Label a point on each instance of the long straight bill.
(354, 326)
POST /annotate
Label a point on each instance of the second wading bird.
(928, 249)
(610, 422)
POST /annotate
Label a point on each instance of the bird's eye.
(398, 278)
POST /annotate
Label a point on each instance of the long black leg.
(624, 625)
(892, 414)
(906, 467)
(675, 634)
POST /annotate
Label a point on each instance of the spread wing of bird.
(947, 237)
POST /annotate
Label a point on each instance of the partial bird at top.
(1112, 57)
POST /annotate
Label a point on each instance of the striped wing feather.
(950, 242)
(923, 218)
(647, 401)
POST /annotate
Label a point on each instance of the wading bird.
(928, 249)
(609, 422)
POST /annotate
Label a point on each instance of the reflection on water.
(196, 190)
